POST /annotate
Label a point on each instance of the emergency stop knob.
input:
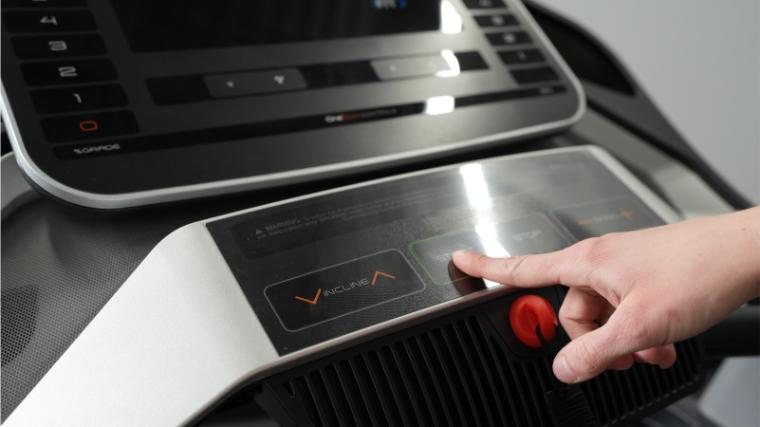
(533, 320)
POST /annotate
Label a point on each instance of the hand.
(632, 295)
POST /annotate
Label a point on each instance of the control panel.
(124, 103)
(325, 266)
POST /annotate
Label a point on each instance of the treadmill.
(71, 257)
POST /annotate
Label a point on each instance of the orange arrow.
(310, 301)
(380, 273)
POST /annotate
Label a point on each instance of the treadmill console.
(336, 300)
(325, 266)
(121, 103)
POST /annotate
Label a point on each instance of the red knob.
(533, 320)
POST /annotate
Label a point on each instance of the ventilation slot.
(458, 371)
(617, 396)
(455, 374)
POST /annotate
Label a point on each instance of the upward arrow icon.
(383, 274)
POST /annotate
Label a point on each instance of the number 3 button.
(55, 46)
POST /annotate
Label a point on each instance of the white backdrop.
(699, 60)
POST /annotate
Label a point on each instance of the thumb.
(592, 353)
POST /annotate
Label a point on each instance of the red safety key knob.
(533, 320)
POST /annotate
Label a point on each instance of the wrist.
(751, 229)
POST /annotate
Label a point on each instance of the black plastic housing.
(467, 368)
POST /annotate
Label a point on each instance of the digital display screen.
(322, 267)
(152, 26)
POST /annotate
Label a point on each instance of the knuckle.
(589, 253)
(640, 332)
(513, 266)
(587, 249)
(645, 333)
(482, 261)
(670, 318)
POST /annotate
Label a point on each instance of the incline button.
(341, 289)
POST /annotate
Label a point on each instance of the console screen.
(152, 26)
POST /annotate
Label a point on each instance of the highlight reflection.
(451, 22)
(439, 105)
(481, 202)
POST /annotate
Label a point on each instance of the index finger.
(526, 271)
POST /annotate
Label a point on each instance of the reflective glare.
(475, 187)
(481, 202)
(439, 105)
(451, 22)
(452, 62)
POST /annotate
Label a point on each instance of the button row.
(59, 44)
(255, 82)
(195, 88)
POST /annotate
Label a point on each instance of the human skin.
(632, 295)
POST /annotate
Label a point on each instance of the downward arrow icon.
(312, 301)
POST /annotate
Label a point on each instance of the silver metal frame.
(15, 190)
(163, 195)
(179, 335)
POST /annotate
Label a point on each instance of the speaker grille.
(460, 372)
(19, 308)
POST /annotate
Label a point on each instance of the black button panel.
(534, 75)
(45, 21)
(254, 82)
(607, 216)
(43, 3)
(528, 235)
(521, 56)
(80, 98)
(338, 290)
(497, 20)
(63, 22)
(67, 29)
(55, 46)
(484, 4)
(492, 19)
(89, 126)
(68, 72)
(508, 38)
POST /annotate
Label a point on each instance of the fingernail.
(563, 371)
